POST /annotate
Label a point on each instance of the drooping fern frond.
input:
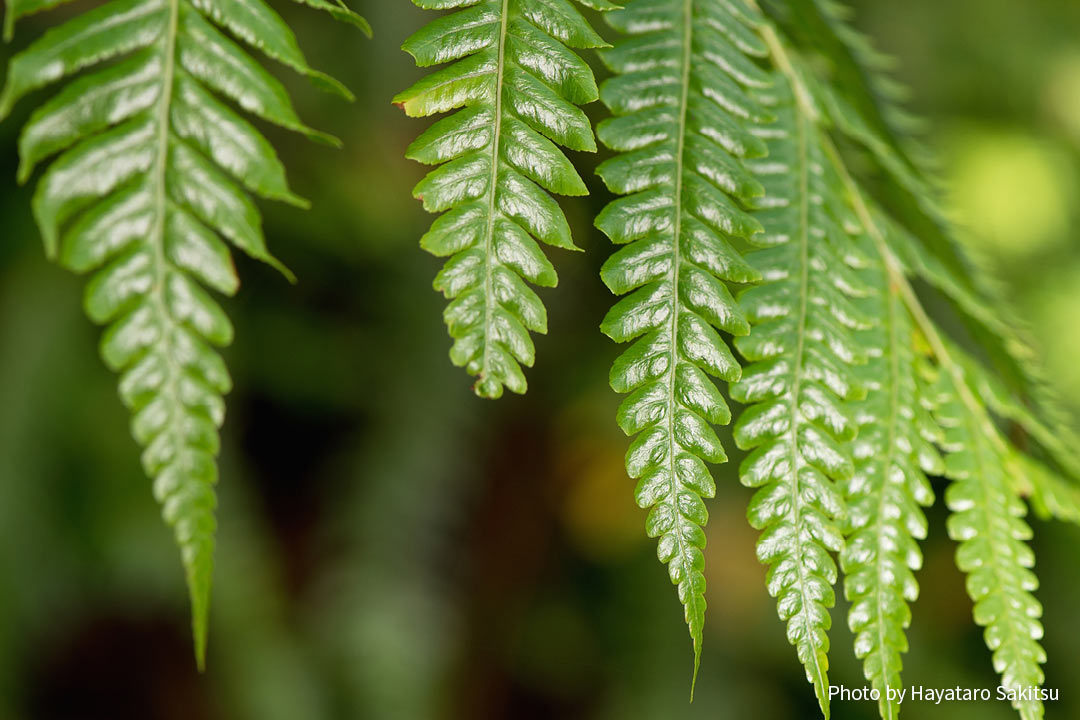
(152, 177)
(987, 522)
(989, 473)
(985, 502)
(864, 105)
(803, 349)
(520, 84)
(892, 453)
(681, 108)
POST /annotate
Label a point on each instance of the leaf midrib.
(676, 262)
(795, 514)
(171, 388)
(489, 233)
(890, 458)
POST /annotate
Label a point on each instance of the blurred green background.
(393, 548)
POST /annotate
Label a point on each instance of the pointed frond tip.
(150, 176)
(516, 84)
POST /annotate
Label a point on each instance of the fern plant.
(153, 174)
(750, 253)
(852, 392)
(519, 85)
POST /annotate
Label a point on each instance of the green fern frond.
(986, 507)
(871, 116)
(519, 85)
(893, 452)
(1050, 495)
(985, 501)
(987, 521)
(681, 110)
(152, 177)
(1054, 437)
(804, 347)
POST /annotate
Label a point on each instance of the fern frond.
(861, 73)
(864, 106)
(837, 425)
(892, 453)
(153, 175)
(498, 158)
(803, 347)
(987, 521)
(681, 125)
(986, 505)
(984, 499)
(1050, 495)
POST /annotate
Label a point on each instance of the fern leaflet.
(892, 453)
(520, 85)
(150, 177)
(803, 348)
(987, 521)
(679, 99)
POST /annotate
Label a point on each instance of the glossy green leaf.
(892, 453)
(146, 185)
(987, 522)
(679, 84)
(518, 83)
(806, 342)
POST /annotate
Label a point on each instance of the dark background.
(392, 547)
